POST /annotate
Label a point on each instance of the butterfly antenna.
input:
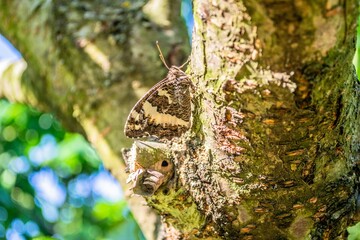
(147, 145)
(161, 55)
(187, 61)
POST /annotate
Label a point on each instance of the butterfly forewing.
(164, 111)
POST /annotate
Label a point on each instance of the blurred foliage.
(52, 183)
(354, 232)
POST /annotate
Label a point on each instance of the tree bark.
(273, 151)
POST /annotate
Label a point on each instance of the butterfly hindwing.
(164, 111)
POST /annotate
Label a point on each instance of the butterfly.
(149, 166)
(165, 110)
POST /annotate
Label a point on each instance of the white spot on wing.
(166, 94)
(161, 118)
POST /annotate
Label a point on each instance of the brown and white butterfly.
(164, 111)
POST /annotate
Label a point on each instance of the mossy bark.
(278, 118)
(274, 150)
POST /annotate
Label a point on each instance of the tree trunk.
(273, 150)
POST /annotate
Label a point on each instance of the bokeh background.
(52, 182)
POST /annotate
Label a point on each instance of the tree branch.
(81, 56)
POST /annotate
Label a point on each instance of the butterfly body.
(164, 111)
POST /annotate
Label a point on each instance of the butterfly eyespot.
(164, 163)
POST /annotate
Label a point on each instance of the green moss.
(181, 210)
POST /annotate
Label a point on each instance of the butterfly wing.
(164, 111)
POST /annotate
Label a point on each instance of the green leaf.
(44, 238)
(354, 232)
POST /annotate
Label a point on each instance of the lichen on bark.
(273, 149)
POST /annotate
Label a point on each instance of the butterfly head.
(149, 165)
